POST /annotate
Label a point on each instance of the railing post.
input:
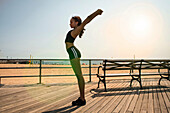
(89, 70)
(40, 73)
(168, 74)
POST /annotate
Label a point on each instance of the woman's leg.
(77, 70)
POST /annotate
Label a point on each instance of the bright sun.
(140, 23)
(140, 26)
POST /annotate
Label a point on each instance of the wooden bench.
(135, 69)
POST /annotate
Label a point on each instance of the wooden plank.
(155, 100)
(139, 101)
(161, 101)
(117, 99)
(123, 106)
(101, 103)
(19, 97)
(162, 104)
(143, 112)
(67, 100)
(165, 98)
(8, 91)
(67, 107)
(96, 101)
(91, 105)
(5, 91)
(144, 106)
(133, 102)
(150, 101)
(168, 90)
(112, 105)
(102, 106)
(31, 101)
(53, 104)
(45, 99)
(112, 99)
(128, 103)
(95, 107)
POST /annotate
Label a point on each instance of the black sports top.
(69, 38)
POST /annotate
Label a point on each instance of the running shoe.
(79, 102)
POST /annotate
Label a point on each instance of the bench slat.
(116, 74)
(133, 74)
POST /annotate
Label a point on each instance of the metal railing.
(40, 62)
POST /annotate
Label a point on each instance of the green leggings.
(77, 70)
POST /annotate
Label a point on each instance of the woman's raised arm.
(77, 30)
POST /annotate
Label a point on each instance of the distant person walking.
(74, 53)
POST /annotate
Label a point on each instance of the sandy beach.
(49, 71)
(45, 80)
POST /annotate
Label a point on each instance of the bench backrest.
(121, 64)
(155, 64)
(135, 64)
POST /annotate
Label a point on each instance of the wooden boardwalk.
(58, 97)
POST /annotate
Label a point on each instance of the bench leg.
(133, 78)
(104, 81)
(131, 82)
(140, 82)
(159, 83)
(138, 79)
(98, 83)
(140, 85)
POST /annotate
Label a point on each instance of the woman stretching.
(74, 53)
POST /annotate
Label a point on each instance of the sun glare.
(140, 23)
(140, 26)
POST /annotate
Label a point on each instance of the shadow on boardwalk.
(66, 109)
(134, 90)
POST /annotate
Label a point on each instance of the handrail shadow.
(128, 91)
(66, 109)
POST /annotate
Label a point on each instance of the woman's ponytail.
(81, 33)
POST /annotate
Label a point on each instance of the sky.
(126, 29)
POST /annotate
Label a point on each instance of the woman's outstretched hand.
(99, 11)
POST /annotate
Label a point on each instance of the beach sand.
(51, 71)
(44, 80)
